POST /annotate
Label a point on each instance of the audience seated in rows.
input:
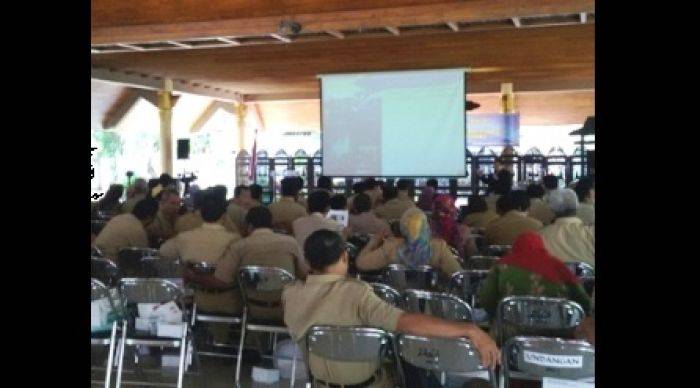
(330, 297)
(395, 205)
(538, 208)
(568, 238)
(339, 202)
(415, 247)
(513, 220)
(529, 269)
(364, 221)
(357, 188)
(478, 215)
(443, 224)
(191, 219)
(136, 192)
(287, 209)
(427, 195)
(319, 204)
(110, 201)
(585, 190)
(374, 189)
(127, 230)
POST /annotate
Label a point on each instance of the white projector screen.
(402, 123)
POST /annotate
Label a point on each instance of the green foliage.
(109, 144)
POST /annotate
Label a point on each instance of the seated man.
(256, 192)
(394, 207)
(163, 227)
(357, 188)
(264, 248)
(502, 185)
(286, 210)
(127, 230)
(538, 208)
(329, 297)
(585, 190)
(325, 183)
(364, 221)
(514, 220)
(478, 214)
(192, 219)
(234, 219)
(568, 238)
(210, 243)
(137, 192)
(319, 204)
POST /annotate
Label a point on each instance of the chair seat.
(218, 317)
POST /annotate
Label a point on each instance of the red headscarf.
(444, 221)
(529, 253)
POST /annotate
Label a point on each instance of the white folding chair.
(261, 287)
(438, 304)
(353, 344)
(402, 278)
(98, 291)
(150, 290)
(444, 356)
(538, 316)
(536, 358)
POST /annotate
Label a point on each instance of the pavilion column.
(241, 112)
(165, 109)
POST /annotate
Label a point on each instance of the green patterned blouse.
(507, 280)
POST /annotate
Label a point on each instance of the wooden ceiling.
(539, 46)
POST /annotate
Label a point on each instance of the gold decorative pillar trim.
(165, 109)
(507, 98)
(241, 111)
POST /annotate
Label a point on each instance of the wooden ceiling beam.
(454, 26)
(110, 27)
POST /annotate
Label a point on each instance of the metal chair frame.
(539, 366)
(284, 277)
(388, 294)
(173, 292)
(447, 304)
(99, 288)
(426, 275)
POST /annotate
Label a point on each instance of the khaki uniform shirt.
(586, 212)
(122, 231)
(304, 226)
(540, 211)
(210, 243)
(366, 223)
(441, 258)
(394, 208)
(268, 249)
(161, 227)
(504, 230)
(129, 205)
(284, 212)
(570, 240)
(234, 218)
(491, 200)
(189, 221)
(480, 220)
(336, 300)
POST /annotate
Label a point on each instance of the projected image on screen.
(406, 123)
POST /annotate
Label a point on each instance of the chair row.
(531, 358)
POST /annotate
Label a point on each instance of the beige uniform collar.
(326, 278)
(516, 213)
(261, 231)
(568, 220)
(213, 226)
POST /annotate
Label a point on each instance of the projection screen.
(401, 123)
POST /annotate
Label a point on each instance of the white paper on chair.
(168, 313)
(550, 382)
(339, 216)
(99, 311)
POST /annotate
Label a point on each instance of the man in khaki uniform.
(264, 248)
(163, 227)
(127, 230)
(192, 219)
(568, 238)
(210, 243)
(286, 210)
(329, 297)
(513, 221)
(394, 207)
(319, 204)
(538, 208)
(136, 192)
(234, 219)
(364, 221)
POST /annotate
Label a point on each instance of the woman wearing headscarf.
(530, 270)
(415, 247)
(443, 223)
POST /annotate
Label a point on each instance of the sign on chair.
(550, 382)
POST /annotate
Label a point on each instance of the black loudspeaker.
(183, 148)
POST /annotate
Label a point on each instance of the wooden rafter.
(209, 112)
